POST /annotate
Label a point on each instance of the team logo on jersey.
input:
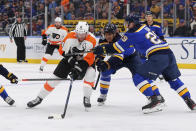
(124, 38)
(55, 36)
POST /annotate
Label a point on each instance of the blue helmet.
(132, 18)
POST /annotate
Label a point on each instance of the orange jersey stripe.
(89, 83)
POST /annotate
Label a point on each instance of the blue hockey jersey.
(144, 40)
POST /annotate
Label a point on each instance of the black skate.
(9, 100)
(86, 102)
(41, 69)
(35, 102)
(190, 103)
(101, 100)
(153, 106)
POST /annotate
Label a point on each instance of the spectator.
(67, 13)
(80, 12)
(193, 31)
(182, 30)
(180, 12)
(167, 30)
(193, 22)
(155, 8)
(39, 27)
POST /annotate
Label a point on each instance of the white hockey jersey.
(55, 36)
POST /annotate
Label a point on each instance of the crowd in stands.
(84, 10)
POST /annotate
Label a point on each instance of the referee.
(18, 31)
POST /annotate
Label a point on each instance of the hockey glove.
(99, 58)
(103, 66)
(44, 40)
(76, 71)
(99, 50)
(72, 60)
(13, 79)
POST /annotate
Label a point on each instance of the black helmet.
(110, 28)
(148, 13)
(133, 18)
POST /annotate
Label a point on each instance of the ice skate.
(87, 104)
(41, 69)
(9, 100)
(35, 102)
(101, 100)
(153, 106)
(190, 103)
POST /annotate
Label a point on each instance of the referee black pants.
(21, 52)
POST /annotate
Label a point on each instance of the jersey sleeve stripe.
(140, 28)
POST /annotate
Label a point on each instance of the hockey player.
(117, 61)
(56, 34)
(161, 60)
(13, 79)
(78, 66)
(156, 28)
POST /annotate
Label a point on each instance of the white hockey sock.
(87, 90)
(48, 88)
(44, 60)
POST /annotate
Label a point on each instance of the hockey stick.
(44, 79)
(97, 81)
(61, 116)
(79, 53)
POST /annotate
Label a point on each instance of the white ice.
(122, 111)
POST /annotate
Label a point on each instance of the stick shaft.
(67, 100)
(44, 79)
(97, 81)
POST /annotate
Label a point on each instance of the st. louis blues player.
(161, 60)
(13, 79)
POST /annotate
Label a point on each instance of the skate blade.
(87, 109)
(101, 103)
(157, 108)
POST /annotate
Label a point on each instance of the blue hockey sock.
(143, 85)
(3, 93)
(180, 88)
(155, 89)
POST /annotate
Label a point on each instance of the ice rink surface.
(122, 111)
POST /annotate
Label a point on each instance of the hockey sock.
(105, 84)
(48, 88)
(143, 85)
(44, 60)
(3, 93)
(180, 88)
(87, 88)
(155, 89)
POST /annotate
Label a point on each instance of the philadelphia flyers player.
(78, 66)
(56, 33)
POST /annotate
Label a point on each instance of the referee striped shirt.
(18, 30)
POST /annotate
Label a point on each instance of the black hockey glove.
(99, 50)
(44, 40)
(103, 66)
(76, 71)
(99, 58)
(13, 79)
(71, 60)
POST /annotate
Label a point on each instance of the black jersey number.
(153, 38)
